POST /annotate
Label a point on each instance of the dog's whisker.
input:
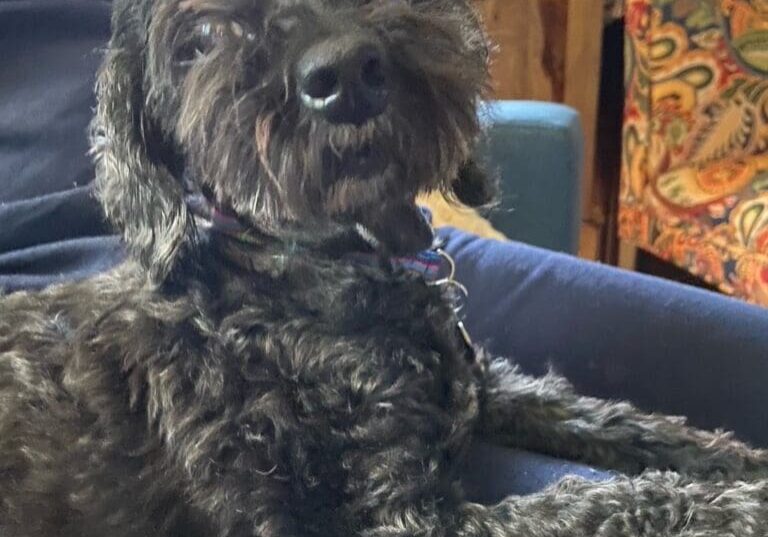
(286, 87)
(335, 148)
(262, 137)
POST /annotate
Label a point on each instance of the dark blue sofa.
(666, 347)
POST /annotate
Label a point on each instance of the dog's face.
(286, 112)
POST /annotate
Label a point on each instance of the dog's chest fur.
(316, 373)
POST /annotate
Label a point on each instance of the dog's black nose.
(344, 79)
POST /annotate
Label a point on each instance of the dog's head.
(287, 113)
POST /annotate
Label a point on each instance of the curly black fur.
(218, 386)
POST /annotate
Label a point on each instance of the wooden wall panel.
(530, 39)
(549, 50)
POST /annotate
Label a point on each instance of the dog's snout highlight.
(345, 80)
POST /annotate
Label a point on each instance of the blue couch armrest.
(537, 149)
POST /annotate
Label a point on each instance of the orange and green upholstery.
(694, 187)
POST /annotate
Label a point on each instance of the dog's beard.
(359, 176)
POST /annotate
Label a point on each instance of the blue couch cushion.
(50, 226)
(50, 54)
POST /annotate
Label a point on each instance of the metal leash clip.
(451, 282)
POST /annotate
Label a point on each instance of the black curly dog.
(243, 374)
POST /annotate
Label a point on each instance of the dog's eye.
(208, 34)
(241, 32)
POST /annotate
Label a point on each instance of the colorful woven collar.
(427, 263)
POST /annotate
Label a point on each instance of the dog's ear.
(473, 186)
(140, 195)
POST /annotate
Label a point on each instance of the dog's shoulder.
(52, 315)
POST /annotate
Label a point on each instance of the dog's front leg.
(546, 415)
(651, 505)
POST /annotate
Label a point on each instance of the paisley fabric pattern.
(694, 187)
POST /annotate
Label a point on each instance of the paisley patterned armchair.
(694, 187)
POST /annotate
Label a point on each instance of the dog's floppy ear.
(140, 195)
(473, 186)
